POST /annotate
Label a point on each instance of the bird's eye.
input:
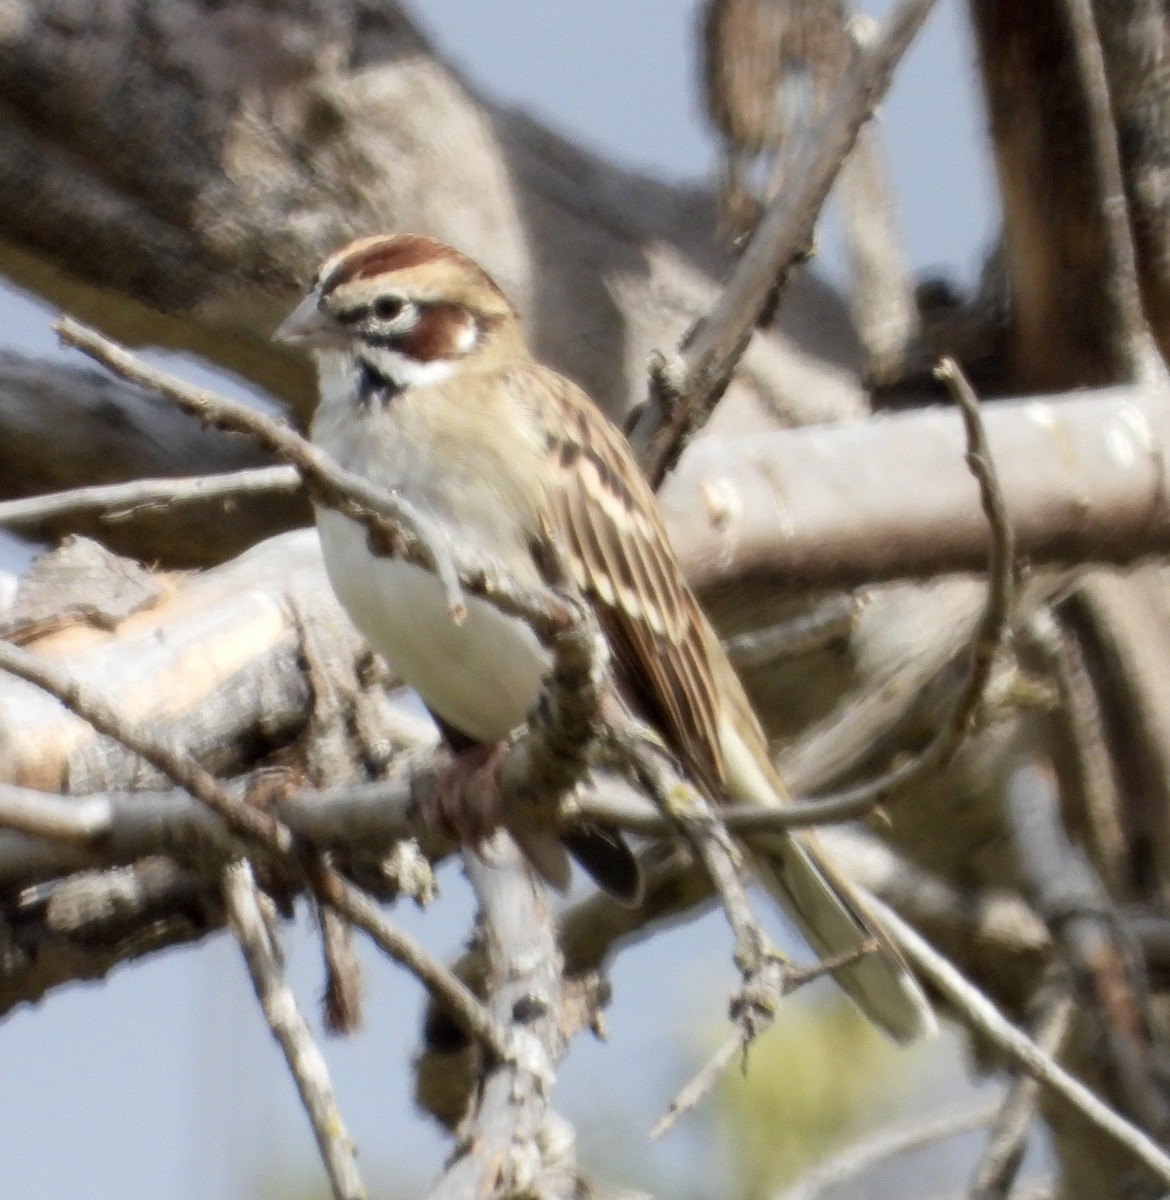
(386, 308)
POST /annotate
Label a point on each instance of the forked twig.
(708, 1075)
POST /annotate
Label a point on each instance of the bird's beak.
(306, 325)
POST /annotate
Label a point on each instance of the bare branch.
(1133, 341)
(990, 635)
(1095, 789)
(120, 501)
(105, 432)
(1008, 1137)
(887, 1143)
(881, 298)
(976, 1011)
(443, 984)
(249, 823)
(42, 815)
(831, 620)
(1083, 477)
(511, 1142)
(304, 1057)
(684, 389)
(698, 1087)
(1111, 981)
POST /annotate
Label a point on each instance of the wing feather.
(606, 521)
(605, 524)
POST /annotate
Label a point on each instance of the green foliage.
(820, 1075)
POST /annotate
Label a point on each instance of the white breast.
(481, 676)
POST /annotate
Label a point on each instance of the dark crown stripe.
(398, 253)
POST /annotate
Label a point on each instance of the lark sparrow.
(427, 388)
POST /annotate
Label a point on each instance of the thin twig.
(762, 968)
(990, 634)
(249, 823)
(288, 1026)
(830, 621)
(343, 995)
(887, 1143)
(881, 297)
(698, 1085)
(1080, 715)
(975, 1010)
(989, 637)
(442, 983)
(259, 828)
(708, 1075)
(684, 390)
(1105, 967)
(413, 536)
(1133, 341)
(120, 500)
(1008, 1136)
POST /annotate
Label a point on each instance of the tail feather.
(833, 919)
(830, 913)
(608, 860)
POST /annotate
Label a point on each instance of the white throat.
(338, 372)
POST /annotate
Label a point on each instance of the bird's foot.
(467, 801)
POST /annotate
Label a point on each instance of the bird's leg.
(467, 800)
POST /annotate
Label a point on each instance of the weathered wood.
(216, 665)
(63, 426)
